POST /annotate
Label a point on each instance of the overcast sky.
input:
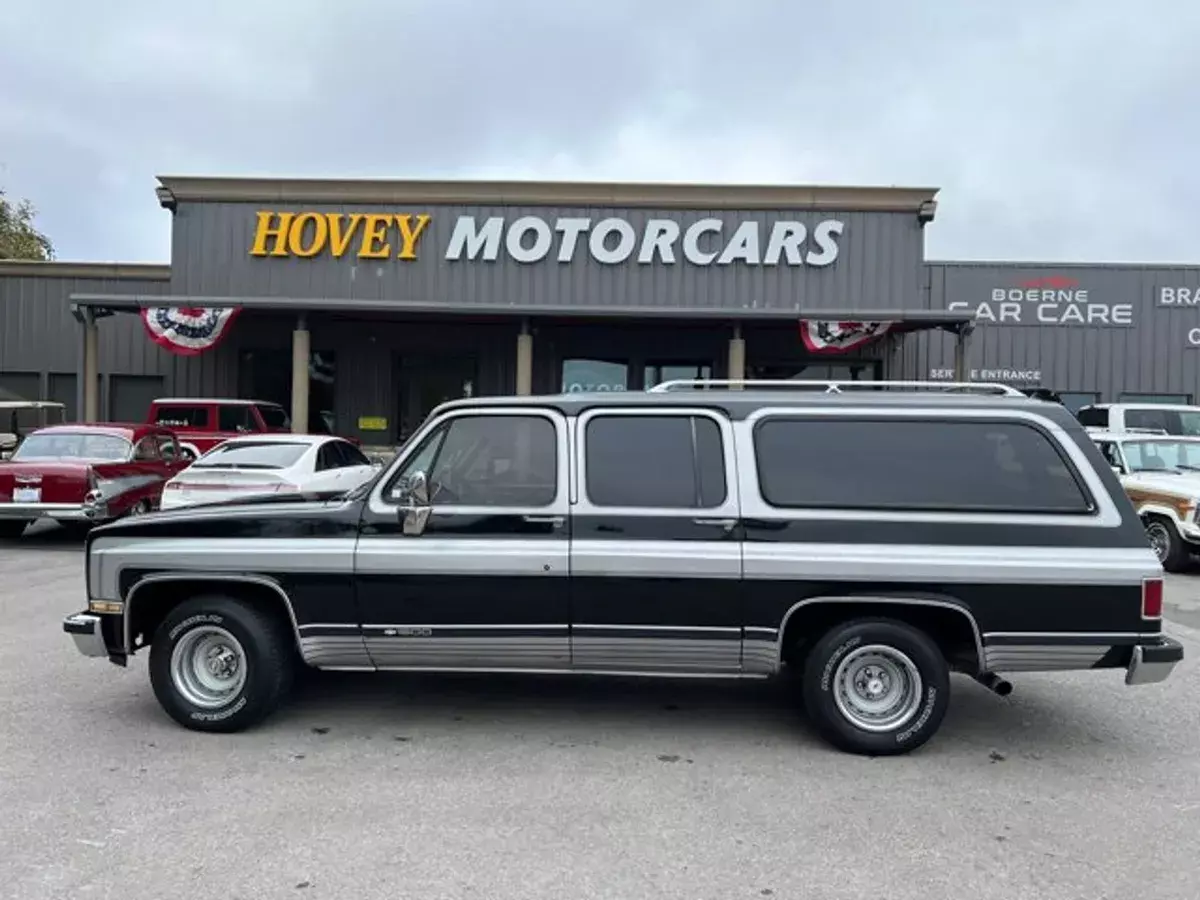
(1057, 129)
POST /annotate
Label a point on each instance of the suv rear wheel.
(218, 664)
(876, 687)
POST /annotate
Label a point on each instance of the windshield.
(274, 416)
(73, 445)
(252, 455)
(1162, 455)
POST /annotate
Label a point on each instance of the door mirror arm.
(415, 509)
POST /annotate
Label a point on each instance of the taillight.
(1152, 598)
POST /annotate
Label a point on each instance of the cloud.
(1058, 131)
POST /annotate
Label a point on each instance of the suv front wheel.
(218, 664)
(876, 687)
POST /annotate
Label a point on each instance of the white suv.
(1161, 418)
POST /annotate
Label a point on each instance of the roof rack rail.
(836, 387)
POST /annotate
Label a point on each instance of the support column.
(524, 361)
(90, 374)
(301, 344)
(737, 357)
(960, 354)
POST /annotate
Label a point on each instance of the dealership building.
(365, 303)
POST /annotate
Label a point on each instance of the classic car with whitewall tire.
(1161, 476)
(873, 540)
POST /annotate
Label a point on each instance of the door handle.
(543, 520)
(727, 524)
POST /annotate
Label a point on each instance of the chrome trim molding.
(430, 555)
(894, 601)
(609, 673)
(940, 563)
(1043, 657)
(649, 654)
(453, 653)
(199, 578)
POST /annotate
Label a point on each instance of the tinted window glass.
(958, 466)
(503, 461)
(276, 417)
(351, 455)
(252, 455)
(655, 461)
(1093, 417)
(328, 458)
(236, 418)
(182, 416)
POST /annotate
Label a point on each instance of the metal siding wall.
(1151, 356)
(879, 264)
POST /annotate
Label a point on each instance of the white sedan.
(267, 464)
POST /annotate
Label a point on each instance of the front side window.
(957, 466)
(73, 445)
(236, 418)
(657, 462)
(167, 447)
(482, 460)
(146, 450)
(275, 417)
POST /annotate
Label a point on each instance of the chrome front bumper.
(1152, 663)
(84, 628)
(67, 512)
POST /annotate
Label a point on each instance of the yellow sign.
(372, 423)
(307, 234)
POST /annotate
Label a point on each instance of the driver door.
(483, 584)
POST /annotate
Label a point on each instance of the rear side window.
(954, 466)
(1091, 417)
(181, 416)
(664, 462)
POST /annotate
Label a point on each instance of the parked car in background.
(86, 474)
(245, 467)
(203, 423)
(19, 418)
(1161, 475)
(1165, 418)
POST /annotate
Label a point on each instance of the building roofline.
(657, 195)
(31, 268)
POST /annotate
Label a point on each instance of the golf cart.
(19, 417)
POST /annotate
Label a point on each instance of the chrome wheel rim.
(1160, 541)
(877, 688)
(208, 667)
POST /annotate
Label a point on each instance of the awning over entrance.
(189, 324)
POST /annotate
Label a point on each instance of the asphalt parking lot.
(374, 786)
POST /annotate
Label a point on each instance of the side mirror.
(415, 511)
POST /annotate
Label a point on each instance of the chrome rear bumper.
(1152, 663)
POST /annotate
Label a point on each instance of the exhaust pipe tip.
(995, 683)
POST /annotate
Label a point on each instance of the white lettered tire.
(877, 687)
(220, 664)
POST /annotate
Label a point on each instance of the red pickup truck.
(202, 424)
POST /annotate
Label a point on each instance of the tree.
(19, 239)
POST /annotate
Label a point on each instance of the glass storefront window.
(657, 374)
(589, 375)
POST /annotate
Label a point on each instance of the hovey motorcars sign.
(609, 240)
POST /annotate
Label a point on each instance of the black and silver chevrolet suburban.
(871, 538)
